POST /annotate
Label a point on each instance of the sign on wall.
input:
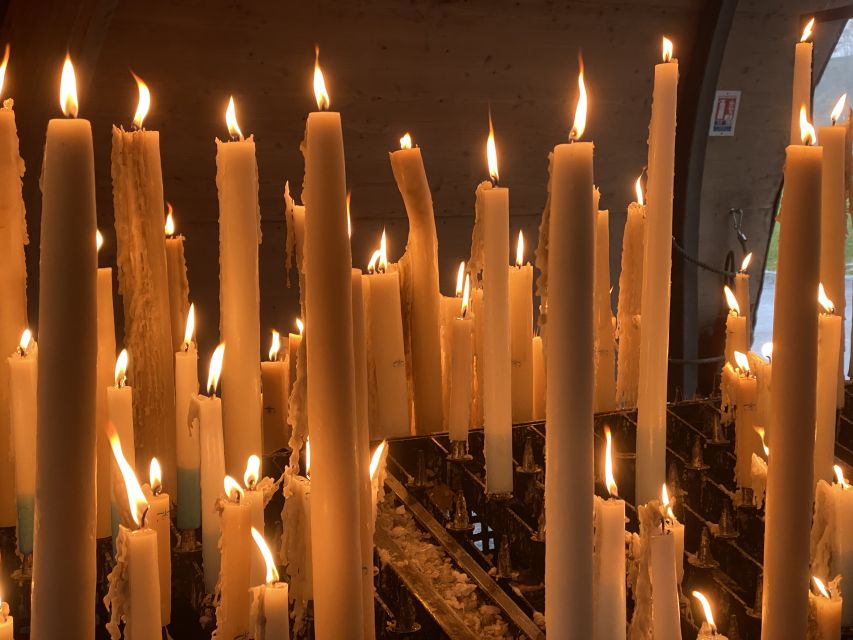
(724, 115)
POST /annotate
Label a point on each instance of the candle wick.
(144, 519)
(494, 181)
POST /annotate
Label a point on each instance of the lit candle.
(253, 498)
(673, 526)
(742, 296)
(605, 346)
(746, 402)
(134, 582)
(422, 325)
(801, 87)
(159, 518)
(120, 411)
(841, 544)
(208, 412)
(188, 454)
(569, 344)
(13, 288)
(735, 327)
(105, 373)
(296, 540)
(478, 315)
(762, 368)
(788, 507)
(461, 370)
(232, 614)
(493, 219)
(708, 631)
(450, 309)
(665, 611)
(331, 393)
(239, 237)
(270, 618)
(630, 302)
(657, 267)
(63, 586)
(143, 280)
(179, 288)
(7, 622)
(825, 608)
(389, 390)
(610, 611)
(23, 382)
(829, 330)
(521, 332)
(538, 379)
(275, 381)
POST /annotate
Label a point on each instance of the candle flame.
(376, 458)
(68, 89)
(382, 266)
(746, 260)
(253, 471)
(519, 251)
(807, 31)
(460, 279)
(767, 350)
(26, 341)
(492, 152)
(580, 111)
(666, 502)
(99, 240)
(189, 328)
(837, 110)
(709, 617)
(666, 49)
(233, 490)
(638, 187)
(466, 296)
(307, 456)
(155, 476)
(320, 92)
(135, 497)
(121, 369)
(349, 217)
(824, 300)
(272, 572)
(742, 362)
(839, 476)
(807, 132)
(761, 433)
(231, 120)
(215, 369)
(609, 480)
(406, 141)
(169, 227)
(731, 300)
(275, 346)
(300, 325)
(3, 66)
(374, 258)
(144, 103)
(820, 586)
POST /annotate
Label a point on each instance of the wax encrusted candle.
(829, 330)
(253, 498)
(746, 402)
(801, 87)
(186, 430)
(105, 373)
(294, 341)
(605, 346)
(825, 610)
(735, 327)
(63, 586)
(23, 383)
(521, 332)
(7, 622)
(657, 267)
(176, 273)
(569, 423)
(239, 237)
(143, 283)
(789, 495)
(13, 285)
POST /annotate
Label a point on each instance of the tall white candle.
(159, 518)
(829, 330)
(666, 615)
(801, 87)
(789, 495)
(270, 617)
(232, 614)
(569, 344)
(605, 346)
(742, 296)
(63, 586)
(13, 286)
(335, 535)
(461, 370)
(521, 332)
(186, 430)
(179, 288)
(493, 216)
(105, 373)
(23, 382)
(239, 237)
(657, 263)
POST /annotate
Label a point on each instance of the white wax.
(842, 542)
(254, 502)
(143, 613)
(461, 377)
(7, 627)
(538, 379)
(296, 542)
(388, 356)
(232, 615)
(120, 411)
(272, 621)
(743, 302)
(747, 441)
(23, 383)
(493, 214)
(187, 439)
(239, 237)
(829, 330)
(657, 263)
(677, 530)
(610, 576)
(827, 613)
(605, 346)
(758, 472)
(63, 586)
(159, 519)
(275, 382)
(788, 507)
(179, 289)
(801, 87)
(294, 340)
(569, 425)
(106, 377)
(735, 336)
(521, 347)
(628, 313)
(478, 314)
(212, 457)
(451, 307)
(666, 616)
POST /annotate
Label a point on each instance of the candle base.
(188, 543)
(25, 573)
(459, 451)
(505, 496)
